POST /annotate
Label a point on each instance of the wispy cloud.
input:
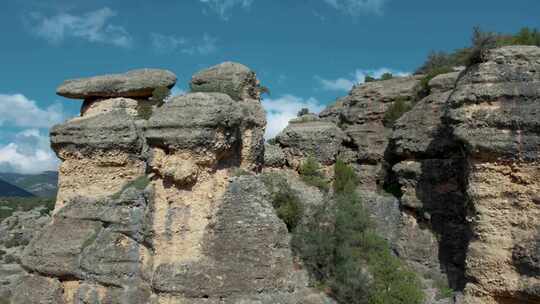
(19, 111)
(28, 153)
(170, 43)
(280, 110)
(358, 7)
(358, 77)
(222, 7)
(93, 26)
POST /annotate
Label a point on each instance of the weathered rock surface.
(231, 78)
(16, 232)
(134, 84)
(361, 116)
(307, 136)
(493, 112)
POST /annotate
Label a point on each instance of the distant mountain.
(43, 185)
(9, 190)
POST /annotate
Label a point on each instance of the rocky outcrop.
(308, 135)
(361, 116)
(427, 167)
(494, 114)
(231, 78)
(16, 232)
(148, 209)
(462, 166)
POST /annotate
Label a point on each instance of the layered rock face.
(149, 211)
(494, 114)
(16, 232)
(361, 116)
(462, 166)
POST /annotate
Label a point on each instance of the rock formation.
(163, 202)
(16, 232)
(463, 163)
(148, 209)
(494, 115)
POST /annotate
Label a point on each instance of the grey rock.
(444, 82)
(360, 114)
(115, 130)
(38, 290)
(231, 78)
(208, 122)
(16, 232)
(247, 258)
(494, 107)
(56, 250)
(421, 131)
(137, 84)
(115, 259)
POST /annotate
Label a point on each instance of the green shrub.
(395, 111)
(369, 79)
(345, 179)
(443, 290)
(387, 76)
(284, 200)
(342, 251)
(311, 174)
(481, 42)
(302, 112)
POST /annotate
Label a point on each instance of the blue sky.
(308, 52)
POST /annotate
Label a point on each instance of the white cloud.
(176, 91)
(29, 153)
(279, 111)
(93, 26)
(19, 111)
(358, 7)
(358, 77)
(167, 44)
(222, 7)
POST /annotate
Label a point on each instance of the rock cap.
(134, 84)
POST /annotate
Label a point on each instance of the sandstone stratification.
(149, 211)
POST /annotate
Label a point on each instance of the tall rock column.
(495, 114)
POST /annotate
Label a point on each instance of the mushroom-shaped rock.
(135, 84)
(231, 78)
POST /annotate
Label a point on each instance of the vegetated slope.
(9, 190)
(43, 184)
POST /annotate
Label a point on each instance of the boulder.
(133, 84)
(231, 78)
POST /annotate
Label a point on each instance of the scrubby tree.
(302, 112)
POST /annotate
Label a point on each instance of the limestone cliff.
(461, 165)
(148, 209)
